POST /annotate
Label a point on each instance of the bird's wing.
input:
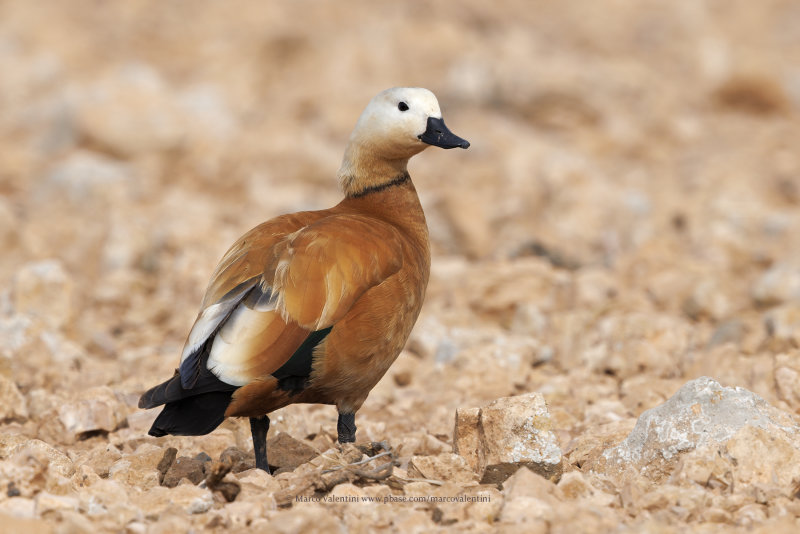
(277, 290)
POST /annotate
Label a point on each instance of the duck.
(315, 306)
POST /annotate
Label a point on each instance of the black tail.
(188, 412)
(192, 416)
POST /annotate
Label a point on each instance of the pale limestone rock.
(43, 289)
(94, 409)
(314, 520)
(187, 498)
(529, 498)
(124, 471)
(779, 284)
(445, 467)
(466, 440)
(39, 452)
(707, 300)
(511, 432)
(142, 420)
(239, 514)
(783, 324)
(421, 443)
(787, 378)
(48, 503)
(258, 486)
(765, 456)
(20, 507)
(347, 493)
(12, 403)
(415, 521)
(575, 485)
(481, 504)
(84, 476)
(40, 402)
(377, 492)
(418, 489)
(527, 483)
(704, 416)
(102, 458)
(750, 515)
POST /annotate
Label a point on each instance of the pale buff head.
(396, 124)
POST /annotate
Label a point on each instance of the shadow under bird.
(313, 307)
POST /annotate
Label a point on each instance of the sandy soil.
(627, 219)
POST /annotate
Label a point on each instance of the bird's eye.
(402, 106)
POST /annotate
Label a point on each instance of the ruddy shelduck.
(313, 307)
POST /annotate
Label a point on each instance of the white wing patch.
(240, 337)
(211, 317)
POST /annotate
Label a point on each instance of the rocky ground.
(626, 221)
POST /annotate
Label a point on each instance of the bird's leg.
(346, 427)
(259, 426)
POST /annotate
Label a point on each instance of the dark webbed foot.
(259, 426)
(346, 427)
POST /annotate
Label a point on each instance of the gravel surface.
(626, 221)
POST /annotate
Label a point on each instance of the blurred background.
(627, 217)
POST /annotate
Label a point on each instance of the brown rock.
(191, 469)
(166, 461)
(215, 473)
(238, 459)
(286, 452)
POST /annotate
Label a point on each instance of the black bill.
(437, 134)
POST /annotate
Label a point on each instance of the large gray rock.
(701, 423)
